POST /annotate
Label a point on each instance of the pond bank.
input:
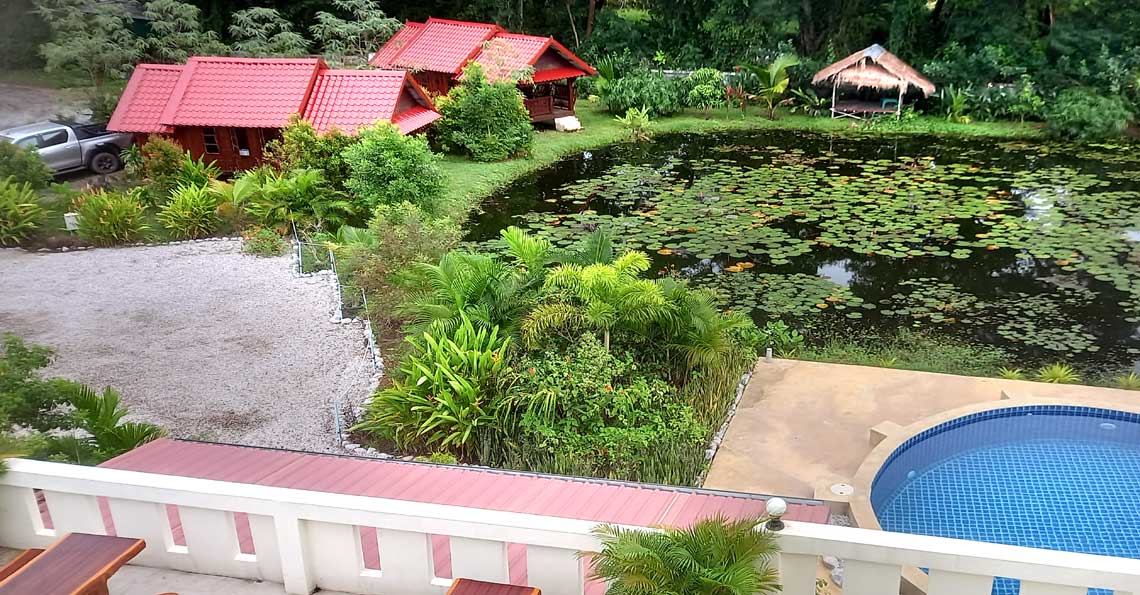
(470, 182)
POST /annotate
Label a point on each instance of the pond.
(1033, 247)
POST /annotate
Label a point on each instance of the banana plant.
(772, 80)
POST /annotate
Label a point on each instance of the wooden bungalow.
(436, 52)
(876, 80)
(226, 109)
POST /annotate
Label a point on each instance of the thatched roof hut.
(874, 68)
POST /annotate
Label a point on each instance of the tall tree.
(176, 33)
(93, 39)
(350, 40)
(264, 32)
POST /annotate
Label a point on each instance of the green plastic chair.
(890, 103)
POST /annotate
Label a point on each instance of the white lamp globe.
(777, 507)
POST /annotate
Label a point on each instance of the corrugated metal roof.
(383, 57)
(143, 101)
(587, 499)
(518, 51)
(444, 45)
(241, 92)
(415, 119)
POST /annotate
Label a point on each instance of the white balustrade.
(307, 540)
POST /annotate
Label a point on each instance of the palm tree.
(600, 296)
(714, 556)
(773, 80)
(477, 286)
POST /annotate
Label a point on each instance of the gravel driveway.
(205, 341)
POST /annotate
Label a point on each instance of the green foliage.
(20, 211)
(92, 41)
(300, 197)
(440, 458)
(111, 218)
(196, 172)
(191, 212)
(158, 165)
(301, 147)
(387, 168)
(1058, 374)
(1129, 381)
(910, 350)
(644, 89)
(957, 105)
(1011, 373)
(23, 166)
(1081, 114)
(263, 32)
(484, 119)
(101, 416)
(176, 33)
(602, 409)
(636, 121)
(263, 241)
(447, 389)
(349, 41)
(704, 89)
(26, 399)
(785, 341)
(772, 80)
(809, 103)
(713, 556)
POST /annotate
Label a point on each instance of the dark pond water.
(1032, 247)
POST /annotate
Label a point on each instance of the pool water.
(1053, 477)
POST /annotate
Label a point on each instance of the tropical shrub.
(387, 167)
(300, 197)
(1011, 373)
(100, 415)
(263, 241)
(1129, 381)
(704, 89)
(957, 103)
(159, 161)
(23, 166)
(808, 102)
(636, 122)
(191, 212)
(301, 147)
(446, 389)
(644, 89)
(770, 81)
(111, 218)
(785, 341)
(20, 211)
(195, 172)
(714, 556)
(1081, 114)
(1058, 374)
(486, 120)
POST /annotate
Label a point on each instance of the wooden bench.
(76, 564)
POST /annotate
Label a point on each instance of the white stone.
(567, 124)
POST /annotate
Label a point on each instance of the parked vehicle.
(71, 147)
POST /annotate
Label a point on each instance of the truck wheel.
(104, 162)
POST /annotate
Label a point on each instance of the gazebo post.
(898, 108)
(834, 84)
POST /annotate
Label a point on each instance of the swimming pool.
(1049, 476)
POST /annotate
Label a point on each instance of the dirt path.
(199, 338)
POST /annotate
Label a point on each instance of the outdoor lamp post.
(776, 508)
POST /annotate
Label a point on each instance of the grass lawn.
(470, 182)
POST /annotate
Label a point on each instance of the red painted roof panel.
(554, 74)
(414, 119)
(587, 499)
(444, 46)
(384, 56)
(349, 99)
(143, 101)
(241, 92)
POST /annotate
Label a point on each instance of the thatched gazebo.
(878, 70)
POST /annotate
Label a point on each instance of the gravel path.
(197, 337)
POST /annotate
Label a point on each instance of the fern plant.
(20, 211)
(714, 556)
(191, 212)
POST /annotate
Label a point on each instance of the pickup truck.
(71, 147)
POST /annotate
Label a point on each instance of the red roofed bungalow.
(226, 109)
(437, 51)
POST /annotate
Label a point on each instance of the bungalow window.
(239, 138)
(210, 141)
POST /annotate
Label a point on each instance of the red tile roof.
(446, 46)
(554, 74)
(265, 93)
(383, 57)
(241, 92)
(587, 499)
(145, 98)
(349, 99)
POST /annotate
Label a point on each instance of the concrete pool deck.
(805, 425)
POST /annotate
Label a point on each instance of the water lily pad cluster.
(777, 296)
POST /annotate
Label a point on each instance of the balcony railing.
(307, 539)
